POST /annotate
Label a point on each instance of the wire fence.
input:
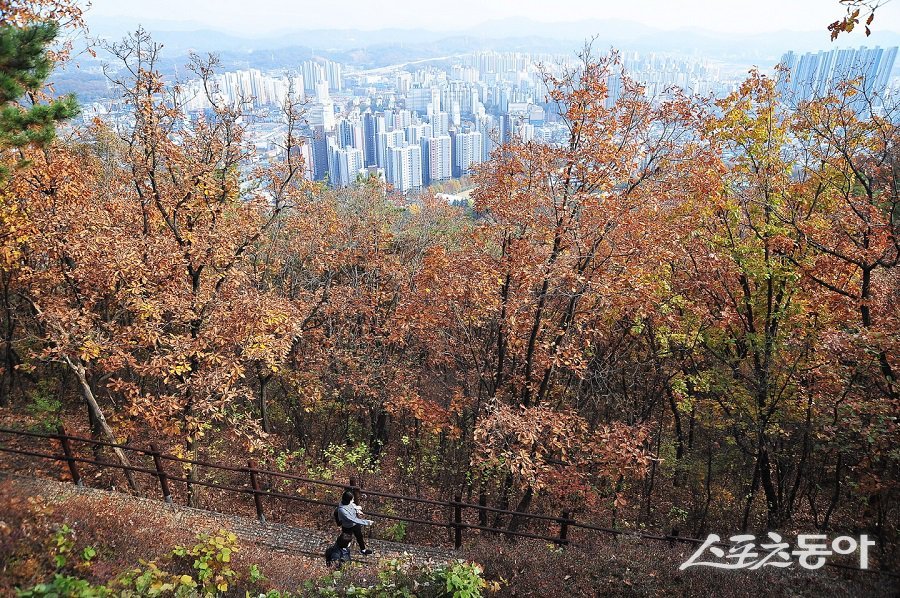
(248, 481)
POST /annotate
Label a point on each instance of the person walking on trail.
(349, 516)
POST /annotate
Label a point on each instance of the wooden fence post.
(354, 488)
(161, 474)
(67, 451)
(673, 536)
(257, 497)
(564, 529)
(457, 522)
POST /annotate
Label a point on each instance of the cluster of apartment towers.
(406, 149)
(421, 141)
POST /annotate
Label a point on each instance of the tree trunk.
(836, 496)
(10, 357)
(263, 407)
(78, 368)
(804, 456)
(482, 501)
(378, 439)
(866, 316)
(652, 474)
(750, 495)
(193, 488)
(701, 526)
(522, 507)
(773, 503)
(504, 499)
(679, 441)
(615, 509)
(96, 432)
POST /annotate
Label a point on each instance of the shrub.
(212, 560)
(65, 586)
(396, 532)
(44, 406)
(399, 578)
(460, 580)
(202, 570)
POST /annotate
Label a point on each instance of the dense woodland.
(686, 317)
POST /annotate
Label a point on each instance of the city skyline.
(414, 126)
(415, 116)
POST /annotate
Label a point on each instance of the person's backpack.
(339, 553)
(336, 557)
(337, 519)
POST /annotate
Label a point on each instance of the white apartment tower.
(384, 141)
(404, 167)
(469, 151)
(440, 159)
(344, 165)
(440, 123)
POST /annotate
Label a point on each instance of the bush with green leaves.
(398, 577)
(203, 570)
(358, 456)
(65, 559)
(45, 406)
(150, 580)
(460, 580)
(396, 532)
(61, 545)
(211, 560)
(65, 586)
(63, 553)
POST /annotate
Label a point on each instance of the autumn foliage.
(684, 317)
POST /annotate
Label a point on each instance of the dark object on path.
(339, 553)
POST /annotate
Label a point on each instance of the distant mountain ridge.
(179, 38)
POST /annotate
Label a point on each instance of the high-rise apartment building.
(490, 132)
(344, 166)
(468, 151)
(313, 74)
(383, 142)
(440, 123)
(415, 133)
(319, 71)
(350, 133)
(404, 167)
(321, 141)
(818, 74)
(321, 114)
(418, 99)
(368, 120)
(440, 158)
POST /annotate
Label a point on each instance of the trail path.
(274, 536)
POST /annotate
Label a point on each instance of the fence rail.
(454, 508)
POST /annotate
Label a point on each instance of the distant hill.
(372, 49)
(179, 38)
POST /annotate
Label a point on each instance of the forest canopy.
(684, 316)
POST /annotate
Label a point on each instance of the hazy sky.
(254, 17)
